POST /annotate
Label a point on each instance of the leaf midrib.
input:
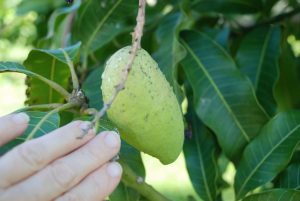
(265, 157)
(261, 61)
(52, 78)
(100, 24)
(202, 169)
(218, 93)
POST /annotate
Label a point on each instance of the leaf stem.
(130, 179)
(58, 109)
(136, 45)
(41, 106)
(75, 81)
(54, 85)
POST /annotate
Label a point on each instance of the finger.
(11, 126)
(34, 155)
(68, 171)
(97, 185)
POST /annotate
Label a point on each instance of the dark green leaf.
(258, 58)
(47, 126)
(289, 178)
(170, 51)
(200, 151)
(98, 22)
(268, 153)
(288, 87)
(224, 99)
(91, 87)
(132, 157)
(275, 195)
(52, 65)
(227, 6)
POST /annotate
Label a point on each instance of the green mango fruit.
(146, 112)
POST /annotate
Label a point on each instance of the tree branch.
(274, 20)
(129, 178)
(136, 45)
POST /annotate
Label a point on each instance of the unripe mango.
(146, 112)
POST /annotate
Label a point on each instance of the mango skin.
(146, 112)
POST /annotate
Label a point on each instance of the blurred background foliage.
(29, 24)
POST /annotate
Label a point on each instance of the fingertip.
(114, 170)
(20, 118)
(112, 139)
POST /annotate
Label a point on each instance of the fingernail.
(20, 118)
(114, 169)
(85, 125)
(112, 139)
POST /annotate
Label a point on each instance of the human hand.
(58, 166)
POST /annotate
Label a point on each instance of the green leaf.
(132, 157)
(258, 58)
(287, 90)
(201, 153)
(41, 7)
(170, 51)
(268, 153)
(18, 68)
(57, 24)
(91, 87)
(227, 6)
(47, 126)
(100, 22)
(289, 178)
(223, 98)
(15, 67)
(275, 195)
(52, 65)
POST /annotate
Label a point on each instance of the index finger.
(32, 156)
(12, 126)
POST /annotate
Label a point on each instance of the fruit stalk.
(130, 179)
(136, 45)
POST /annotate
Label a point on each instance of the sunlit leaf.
(52, 65)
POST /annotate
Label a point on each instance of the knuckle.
(62, 175)
(31, 154)
(92, 151)
(75, 123)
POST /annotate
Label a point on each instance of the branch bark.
(136, 45)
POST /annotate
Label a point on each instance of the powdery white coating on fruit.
(146, 111)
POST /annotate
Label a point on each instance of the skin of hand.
(58, 166)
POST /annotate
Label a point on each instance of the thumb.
(12, 126)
